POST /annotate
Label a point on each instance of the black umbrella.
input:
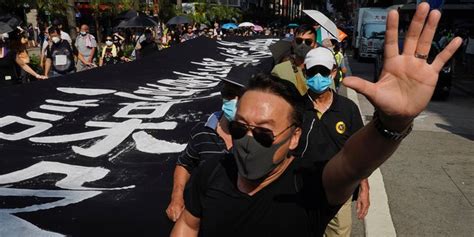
(179, 20)
(127, 15)
(138, 21)
(12, 20)
(280, 49)
(5, 28)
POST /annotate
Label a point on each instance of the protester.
(59, 55)
(86, 46)
(64, 35)
(208, 140)
(9, 59)
(20, 46)
(147, 46)
(334, 46)
(291, 67)
(43, 46)
(189, 34)
(111, 53)
(329, 121)
(261, 192)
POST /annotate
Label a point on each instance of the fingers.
(426, 38)
(361, 86)
(416, 26)
(446, 54)
(391, 35)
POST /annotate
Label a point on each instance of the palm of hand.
(405, 86)
(407, 81)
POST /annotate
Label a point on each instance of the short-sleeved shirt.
(204, 143)
(8, 75)
(286, 71)
(293, 205)
(62, 57)
(187, 36)
(82, 46)
(324, 136)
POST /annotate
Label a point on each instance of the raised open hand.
(407, 81)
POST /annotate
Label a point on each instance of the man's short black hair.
(281, 88)
(230, 91)
(303, 29)
(54, 29)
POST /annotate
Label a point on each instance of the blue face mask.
(229, 107)
(318, 83)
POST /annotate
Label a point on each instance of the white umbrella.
(246, 24)
(323, 21)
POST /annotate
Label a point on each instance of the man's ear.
(295, 138)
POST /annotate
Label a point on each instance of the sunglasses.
(308, 42)
(264, 136)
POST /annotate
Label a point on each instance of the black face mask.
(301, 50)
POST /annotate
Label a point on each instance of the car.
(443, 86)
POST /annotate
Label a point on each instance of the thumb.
(360, 85)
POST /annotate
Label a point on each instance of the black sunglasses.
(308, 42)
(264, 136)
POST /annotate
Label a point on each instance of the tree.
(71, 18)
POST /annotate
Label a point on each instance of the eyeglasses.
(308, 42)
(264, 136)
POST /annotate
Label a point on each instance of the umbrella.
(257, 28)
(12, 20)
(292, 25)
(138, 21)
(179, 20)
(323, 21)
(126, 15)
(280, 49)
(229, 26)
(246, 24)
(5, 28)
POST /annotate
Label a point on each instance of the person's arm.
(47, 66)
(180, 178)
(27, 68)
(404, 89)
(94, 46)
(186, 226)
(363, 201)
(101, 61)
(91, 57)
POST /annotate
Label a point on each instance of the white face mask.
(109, 43)
(55, 39)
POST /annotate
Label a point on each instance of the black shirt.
(293, 205)
(8, 75)
(324, 137)
(62, 57)
(204, 143)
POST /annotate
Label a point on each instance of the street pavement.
(428, 182)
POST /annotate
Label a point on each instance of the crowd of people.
(59, 54)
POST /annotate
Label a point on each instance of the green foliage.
(167, 10)
(127, 50)
(35, 63)
(208, 13)
(53, 7)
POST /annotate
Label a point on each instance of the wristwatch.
(392, 135)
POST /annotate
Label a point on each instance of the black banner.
(92, 153)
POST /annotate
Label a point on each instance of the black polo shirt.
(295, 204)
(324, 137)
